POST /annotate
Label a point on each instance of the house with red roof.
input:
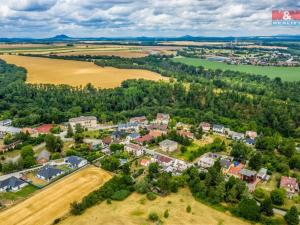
(144, 139)
(44, 128)
(235, 169)
(290, 184)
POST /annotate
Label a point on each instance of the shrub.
(188, 209)
(153, 216)
(249, 209)
(108, 201)
(151, 196)
(56, 221)
(277, 196)
(166, 214)
(120, 195)
(259, 193)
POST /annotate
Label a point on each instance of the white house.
(48, 173)
(162, 118)
(236, 136)
(84, 121)
(12, 184)
(134, 149)
(75, 162)
(218, 129)
(168, 145)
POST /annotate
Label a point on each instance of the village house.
(6, 122)
(84, 121)
(75, 162)
(48, 173)
(250, 141)
(205, 162)
(251, 134)
(117, 134)
(106, 140)
(186, 134)
(161, 127)
(139, 119)
(128, 127)
(234, 169)
(44, 128)
(205, 126)
(262, 174)
(132, 136)
(144, 139)
(43, 157)
(183, 126)
(168, 145)
(156, 133)
(162, 118)
(145, 162)
(236, 136)
(134, 149)
(12, 184)
(290, 184)
(248, 175)
(163, 160)
(9, 130)
(218, 129)
(5, 148)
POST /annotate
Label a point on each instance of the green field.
(285, 73)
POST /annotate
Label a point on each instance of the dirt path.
(54, 201)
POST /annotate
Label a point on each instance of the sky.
(153, 18)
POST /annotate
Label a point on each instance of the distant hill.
(153, 40)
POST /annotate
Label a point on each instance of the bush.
(166, 214)
(249, 209)
(188, 208)
(120, 195)
(56, 221)
(277, 196)
(153, 216)
(259, 193)
(151, 196)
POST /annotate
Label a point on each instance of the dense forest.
(237, 100)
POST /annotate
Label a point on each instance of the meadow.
(54, 201)
(76, 73)
(136, 208)
(285, 73)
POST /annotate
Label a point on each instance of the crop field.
(76, 73)
(135, 210)
(54, 201)
(87, 49)
(285, 73)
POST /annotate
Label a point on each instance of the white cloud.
(42, 18)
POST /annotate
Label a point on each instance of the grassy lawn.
(23, 193)
(36, 181)
(11, 154)
(136, 208)
(91, 134)
(285, 73)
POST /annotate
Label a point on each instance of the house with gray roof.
(6, 122)
(47, 173)
(248, 175)
(43, 157)
(75, 162)
(12, 184)
(9, 130)
(218, 129)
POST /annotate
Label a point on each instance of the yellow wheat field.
(76, 73)
(54, 201)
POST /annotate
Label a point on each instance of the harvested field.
(76, 73)
(135, 210)
(54, 201)
(123, 53)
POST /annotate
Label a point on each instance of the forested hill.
(239, 101)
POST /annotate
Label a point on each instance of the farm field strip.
(54, 201)
(76, 73)
(285, 73)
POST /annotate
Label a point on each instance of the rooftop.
(82, 118)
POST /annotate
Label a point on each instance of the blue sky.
(121, 18)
